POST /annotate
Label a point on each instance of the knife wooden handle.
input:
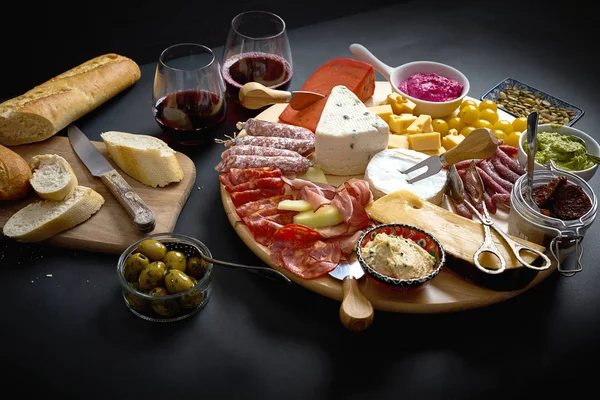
(356, 311)
(143, 218)
(481, 143)
(254, 95)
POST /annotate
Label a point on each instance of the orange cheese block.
(357, 76)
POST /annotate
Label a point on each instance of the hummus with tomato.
(397, 257)
(431, 87)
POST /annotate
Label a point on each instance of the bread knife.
(98, 165)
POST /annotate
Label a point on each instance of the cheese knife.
(254, 95)
(356, 311)
(96, 163)
(481, 143)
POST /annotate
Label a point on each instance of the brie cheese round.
(384, 177)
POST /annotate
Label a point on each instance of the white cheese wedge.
(348, 134)
(384, 178)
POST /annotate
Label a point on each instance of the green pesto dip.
(566, 153)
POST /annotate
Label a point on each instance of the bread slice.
(43, 219)
(145, 158)
(49, 107)
(52, 178)
(14, 175)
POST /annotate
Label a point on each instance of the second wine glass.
(257, 50)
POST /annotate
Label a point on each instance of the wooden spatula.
(254, 95)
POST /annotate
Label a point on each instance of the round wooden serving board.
(447, 292)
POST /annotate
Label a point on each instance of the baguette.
(145, 158)
(43, 219)
(46, 109)
(52, 177)
(14, 175)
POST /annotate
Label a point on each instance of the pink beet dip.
(431, 87)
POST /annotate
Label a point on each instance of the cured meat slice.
(359, 189)
(315, 196)
(282, 217)
(263, 230)
(241, 175)
(313, 260)
(350, 200)
(239, 198)
(260, 183)
(347, 241)
(287, 165)
(357, 76)
(267, 202)
(256, 127)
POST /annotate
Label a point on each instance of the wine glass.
(257, 50)
(188, 96)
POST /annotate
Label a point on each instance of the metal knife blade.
(98, 165)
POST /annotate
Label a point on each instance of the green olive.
(163, 307)
(152, 275)
(192, 300)
(153, 249)
(134, 264)
(196, 267)
(177, 281)
(134, 300)
(175, 259)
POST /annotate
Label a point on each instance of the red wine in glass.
(185, 115)
(268, 69)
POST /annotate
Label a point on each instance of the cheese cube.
(383, 112)
(399, 123)
(398, 142)
(437, 152)
(400, 105)
(348, 135)
(421, 125)
(452, 139)
(425, 141)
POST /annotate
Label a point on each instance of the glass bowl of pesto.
(163, 278)
(555, 142)
(400, 255)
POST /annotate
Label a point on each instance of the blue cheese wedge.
(384, 178)
(348, 134)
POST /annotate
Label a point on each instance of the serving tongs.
(474, 187)
(481, 143)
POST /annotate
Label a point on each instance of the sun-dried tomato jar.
(561, 237)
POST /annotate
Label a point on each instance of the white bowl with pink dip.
(397, 75)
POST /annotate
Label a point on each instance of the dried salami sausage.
(509, 161)
(301, 146)
(287, 165)
(251, 150)
(504, 171)
(256, 127)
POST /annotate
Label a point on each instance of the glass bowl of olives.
(164, 278)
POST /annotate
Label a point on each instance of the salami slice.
(263, 230)
(267, 202)
(282, 217)
(241, 175)
(302, 146)
(287, 165)
(225, 180)
(256, 127)
(239, 198)
(312, 261)
(260, 183)
(251, 150)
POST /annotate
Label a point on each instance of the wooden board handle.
(481, 143)
(356, 311)
(143, 218)
(254, 95)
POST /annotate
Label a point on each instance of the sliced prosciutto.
(350, 200)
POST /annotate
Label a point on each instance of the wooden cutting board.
(110, 230)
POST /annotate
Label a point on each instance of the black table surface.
(67, 331)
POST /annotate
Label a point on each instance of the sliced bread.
(52, 177)
(43, 219)
(145, 158)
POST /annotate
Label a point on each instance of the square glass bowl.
(525, 98)
(161, 303)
